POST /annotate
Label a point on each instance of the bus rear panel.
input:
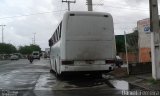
(89, 43)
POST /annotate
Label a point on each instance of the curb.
(139, 86)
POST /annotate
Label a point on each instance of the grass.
(153, 81)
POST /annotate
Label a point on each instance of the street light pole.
(126, 49)
(2, 32)
(34, 38)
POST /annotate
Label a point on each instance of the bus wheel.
(58, 76)
(97, 75)
(51, 71)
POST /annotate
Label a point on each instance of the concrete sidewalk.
(142, 80)
(4, 61)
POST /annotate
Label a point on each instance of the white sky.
(23, 18)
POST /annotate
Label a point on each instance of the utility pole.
(126, 49)
(68, 2)
(2, 32)
(155, 39)
(34, 40)
(89, 3)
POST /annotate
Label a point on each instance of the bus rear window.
(35, 53)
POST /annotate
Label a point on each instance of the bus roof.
(87, 13)
(80, 13)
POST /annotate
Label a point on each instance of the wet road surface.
(20, 78)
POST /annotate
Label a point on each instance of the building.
(144, 40)
(47, 52)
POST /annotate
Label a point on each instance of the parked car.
(14, 57)
(19, 55)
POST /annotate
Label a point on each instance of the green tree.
(7, 48)
(120, 43)
(29, 49)
(35, 47)
(132, 42)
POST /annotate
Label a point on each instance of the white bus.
(83, 42)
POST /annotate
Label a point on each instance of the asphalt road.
(20, 78)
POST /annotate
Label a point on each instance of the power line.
(79, 6)
(99, 3)
(119, 7)
(30, 14)
(60, 11)
(122, 4)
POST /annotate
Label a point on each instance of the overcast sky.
(23, 18)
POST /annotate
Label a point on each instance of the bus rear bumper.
(86, 69)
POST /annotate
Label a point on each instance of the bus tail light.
(110, 61)
(67, 62)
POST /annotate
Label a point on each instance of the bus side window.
(60, 30)
(54, 39)
(57, 34)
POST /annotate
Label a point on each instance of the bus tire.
(58, 76)
(97, 75)
(51, 71)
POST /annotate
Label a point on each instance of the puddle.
(45, 82)
(123, 85)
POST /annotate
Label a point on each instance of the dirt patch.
(119, 72)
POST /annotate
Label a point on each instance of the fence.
(140, 68)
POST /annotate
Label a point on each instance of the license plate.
(90, 62)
